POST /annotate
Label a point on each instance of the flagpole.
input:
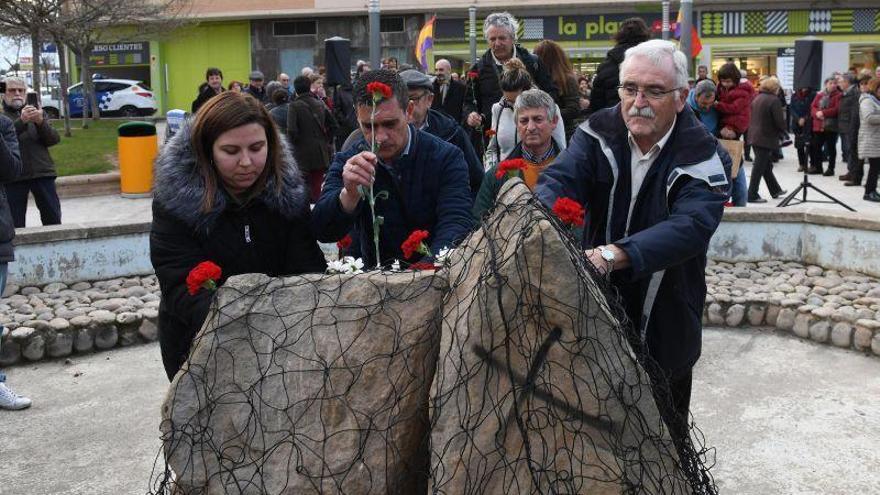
(687, 16)
(665, 32)
(472, 15)
(375, 39)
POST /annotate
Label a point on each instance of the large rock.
(315, 384)
(537, 389)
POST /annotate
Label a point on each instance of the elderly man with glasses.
(653, 181)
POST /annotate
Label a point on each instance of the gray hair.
(535, 98)
(704, 87)
(660, 53)
(16, 80)
(849, 77)
(504, 20)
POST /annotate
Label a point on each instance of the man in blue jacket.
(425, 180)
(653, 182)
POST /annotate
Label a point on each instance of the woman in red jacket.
(824, 110)
(734, 102)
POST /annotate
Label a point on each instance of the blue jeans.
(739, 191)
(4, 270)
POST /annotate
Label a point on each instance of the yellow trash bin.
(138, 146)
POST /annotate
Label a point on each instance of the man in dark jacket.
(801, 124)
(500, 32)
(10, 167)
(849, 111)
(448, 94)
(310, 127)
(420, 182)
(35, 136)
(255, 87)
(654, 182)
(212, 87)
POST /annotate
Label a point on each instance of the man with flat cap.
(424, 118)
(255, 88)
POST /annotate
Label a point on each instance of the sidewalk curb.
(77, 186)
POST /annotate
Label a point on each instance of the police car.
(116, 97)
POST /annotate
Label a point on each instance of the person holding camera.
(35, 136)
(10, 167)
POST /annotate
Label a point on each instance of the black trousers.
(823, 141)
(45, 196)
(763, 167)
(673, 397)
(873, 172)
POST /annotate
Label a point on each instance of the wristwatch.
(608, 256)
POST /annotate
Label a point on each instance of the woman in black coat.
(227, 191)
(604, 94)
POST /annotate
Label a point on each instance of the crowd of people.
(409, 153)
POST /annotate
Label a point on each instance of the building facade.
(285, 35)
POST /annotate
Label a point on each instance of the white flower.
(347, 265)
(442, 257)
(395, 267)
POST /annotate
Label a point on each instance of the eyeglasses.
(631, 91)
(415, 98)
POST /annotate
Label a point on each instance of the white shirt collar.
(498, 62)
(658, 146)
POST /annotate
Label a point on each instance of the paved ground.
(786, 417)
(116, 208)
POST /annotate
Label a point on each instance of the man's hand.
(359, 170)
(33, 114)
(820, 115)
(474, 119)
(621, 259)
(801, 122)
(728, 133)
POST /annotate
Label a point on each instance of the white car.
(116, 97)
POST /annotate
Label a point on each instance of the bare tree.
(84, 23)
(31, 18)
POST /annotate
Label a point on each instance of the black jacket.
(310, 127)
(767, 122)
(33, 143)
(849, 109)
(270, 235)
(604, 93)
(667, 234)
(205, 93)
(279, 115)
(453, 106)
(259, 94)
(488, 85)
(344, 113)
(10, 167)
(570, 106)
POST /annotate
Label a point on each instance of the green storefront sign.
(789, 22)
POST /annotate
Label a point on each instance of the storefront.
(756, 40)
(585, 38)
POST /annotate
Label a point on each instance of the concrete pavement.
(786, 417)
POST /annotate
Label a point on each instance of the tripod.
(804, 186)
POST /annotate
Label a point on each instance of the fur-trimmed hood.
(179, 187)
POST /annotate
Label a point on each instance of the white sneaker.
(11, 400)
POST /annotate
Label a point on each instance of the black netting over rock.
(511, 370)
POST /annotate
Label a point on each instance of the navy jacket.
(677, 211)
(427, 190)
(448, 130)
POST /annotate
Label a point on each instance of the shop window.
(294, 28)
(391, 25)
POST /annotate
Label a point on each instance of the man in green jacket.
(536, 118)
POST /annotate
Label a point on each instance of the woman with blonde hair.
(227, 191)
(766, 125)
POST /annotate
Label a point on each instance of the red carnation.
(473, 75)
(569, 211)
(490, 133)
(423, 265)
(379, 90)
(204, 276)
(507, 166)
(415, 244)
(344, 243)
